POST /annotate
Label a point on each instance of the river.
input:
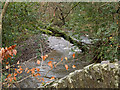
(60, 49)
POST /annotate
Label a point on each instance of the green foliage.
(19, 21)
(98, 20)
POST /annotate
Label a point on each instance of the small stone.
(90, 77)
(105, 62)
(111, 65)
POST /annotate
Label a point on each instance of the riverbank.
(31, 48)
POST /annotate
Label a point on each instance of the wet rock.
(101, 75)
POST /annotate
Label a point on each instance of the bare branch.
(4, 8)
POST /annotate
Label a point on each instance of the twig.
(41, 55)
(24, 78)
(20, 63)
(71, 9)
(53, 67)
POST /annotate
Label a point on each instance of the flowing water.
(61, 49)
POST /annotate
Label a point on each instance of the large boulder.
(101, 75)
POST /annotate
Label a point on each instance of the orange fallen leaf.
(62, 59)
(11, 79)
(8, 75)
(42, 79)
(38, 61)
(38, 74)
(38, 69)
(73, 66)
(6, 79)
(66, 58)
(7, 62)
(26, 69)
(44, 57)
(73, 55)
(17, 71)
(50, 64)
(52, 78)
(20, 71)
(14, 78)
(15, 74)
(66, 66)
(52, 58)
(33, 70)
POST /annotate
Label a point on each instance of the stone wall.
(101, 75)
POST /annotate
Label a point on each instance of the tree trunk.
(2, 14)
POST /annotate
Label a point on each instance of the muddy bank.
(31, 48)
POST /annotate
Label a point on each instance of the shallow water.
(61, 48)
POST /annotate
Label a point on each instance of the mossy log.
(59, 33)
